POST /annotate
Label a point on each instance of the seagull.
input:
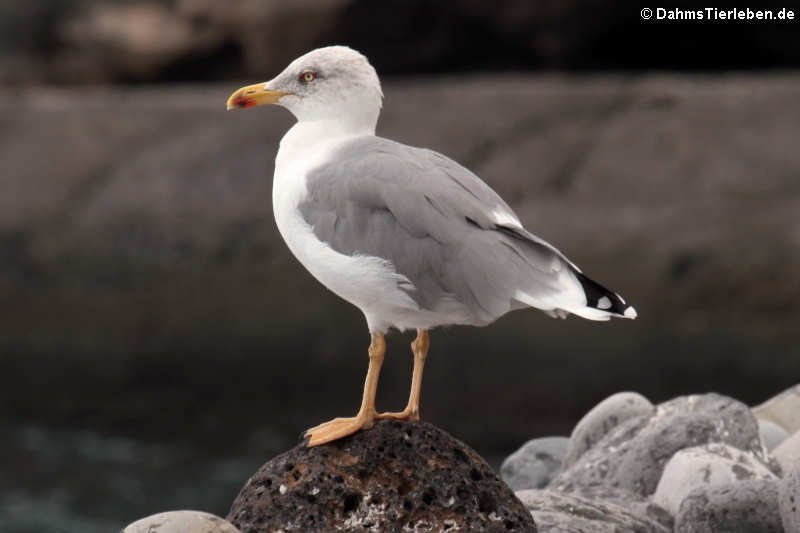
(407, 235)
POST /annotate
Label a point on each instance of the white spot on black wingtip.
(630, 312)
(604, 303)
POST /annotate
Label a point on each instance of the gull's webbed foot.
(338, 428)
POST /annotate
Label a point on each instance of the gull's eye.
(308, 76)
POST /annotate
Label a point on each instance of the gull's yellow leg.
(342, 427)
(420, 349)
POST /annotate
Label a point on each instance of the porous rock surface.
(710, 465)
(604, 417)
(559, 512)
(535, 464)
(789, 499)
(397, 476)
(632, 456)
(748, 506)
(181, 522)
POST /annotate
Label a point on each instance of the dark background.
(157, 339)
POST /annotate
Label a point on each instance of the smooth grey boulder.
(535, 464)
(771, 434)
(181, 522)
(787, 453)
(789, 499)
(713, 464)
(559, 512)
(749, 506)
(604, 417)
(637, 504)
(633, 455)
(783, 409)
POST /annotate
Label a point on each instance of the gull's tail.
(547, 280)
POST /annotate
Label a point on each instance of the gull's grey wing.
(448, 232)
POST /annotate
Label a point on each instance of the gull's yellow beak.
(254, 95)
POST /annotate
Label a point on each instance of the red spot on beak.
(243, 102)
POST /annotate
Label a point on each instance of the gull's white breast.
(370, 283)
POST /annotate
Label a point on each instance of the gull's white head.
(334, 82)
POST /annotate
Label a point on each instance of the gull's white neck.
(310, 133)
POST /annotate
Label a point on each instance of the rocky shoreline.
(703, 463)
(695, 464)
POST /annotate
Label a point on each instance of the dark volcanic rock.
(632, 456)
(397, 476)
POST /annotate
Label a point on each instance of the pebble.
(789, 499)
(604, 417)
(787, 453)
(632, 455)
(557, 512)
(748, 506)
(771, 433)
(783, 409)
(710, 465)
(181, 522)
(535, 464)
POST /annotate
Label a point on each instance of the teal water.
(55, 480)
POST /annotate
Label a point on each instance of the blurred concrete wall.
(144, 286)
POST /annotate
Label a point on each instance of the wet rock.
(704, 466)
(558, 512)
(181, 522)
(749, 506)
(771, 433)
(397, 476)
(789, 499)
(604, 417)
(535, 464)
(633, 455)
(787, 453)
(783, 409)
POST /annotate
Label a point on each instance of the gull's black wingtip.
(602, 299)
